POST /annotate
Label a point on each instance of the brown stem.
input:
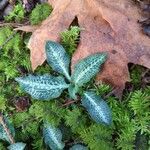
(67, 103)
(6, 129)
(16, 25)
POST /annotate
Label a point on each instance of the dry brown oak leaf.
(108, 25)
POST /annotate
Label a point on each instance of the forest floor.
(131, 116)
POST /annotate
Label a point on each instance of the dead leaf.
(109, 25)
(21, 103)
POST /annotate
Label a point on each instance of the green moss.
(2, 147)
(70, 38)
(136, 75)
(38, 144)
(97, 137)
(13, 53)
(130, 116)
(19, 118)
(2, 102)
(75, 119)
(102, 89)
(40, 13)
(139, 104)
(14, 41)
(17, 14)
(13, 56)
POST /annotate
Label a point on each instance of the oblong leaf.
(97, 108)
(78, 147)
(17, 146)
(87, 68)
(53, 137)
(6, 125)
(57, 58)
(44, 87)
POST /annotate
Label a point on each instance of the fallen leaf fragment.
(27, 28)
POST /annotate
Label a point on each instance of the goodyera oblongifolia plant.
(47, 87)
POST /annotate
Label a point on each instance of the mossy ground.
(131, 117)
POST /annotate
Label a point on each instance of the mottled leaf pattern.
(87, 68)
(17, 146)
(78, 147)
(53, 137)
(97, 108)
(44, 87)
(3, 134)
(57, 58)
(73, 89)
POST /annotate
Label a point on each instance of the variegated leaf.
(87, 68)
(17, 146)
(4, 135)
(57, 58)
(97, 108)
(53, 137)
(78, 147)
(43, 87)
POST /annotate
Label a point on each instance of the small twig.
(68, 103)
(2, 122)
(16, 25)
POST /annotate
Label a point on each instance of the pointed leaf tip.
(57, 58)
(97, 108)
(88, 67)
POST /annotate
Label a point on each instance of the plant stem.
(69, 102)
(6, 129)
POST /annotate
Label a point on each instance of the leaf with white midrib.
(57, 58)
(97, 108)
(43, 87)
(53, 137)
(87, 68)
